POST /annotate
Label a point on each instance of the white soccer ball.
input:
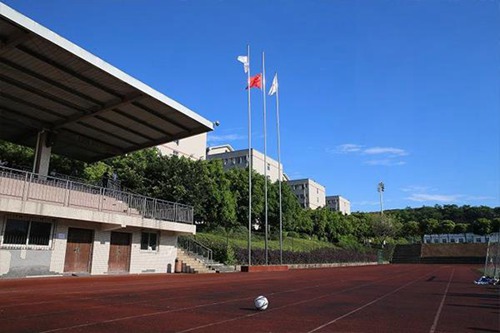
(261, 303)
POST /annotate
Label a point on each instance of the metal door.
(119, 252)
(78, 250)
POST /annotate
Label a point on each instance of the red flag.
(256, 81)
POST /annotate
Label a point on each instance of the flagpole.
(279, 168)
(265, 154)
(249, 163)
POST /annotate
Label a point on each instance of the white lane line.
(366, 305)
(438, 313)
(174, 310)
(287, 305)
(223, 302)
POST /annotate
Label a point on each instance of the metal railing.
(29, 186)
(192, 246)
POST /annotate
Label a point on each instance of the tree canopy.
(220, 199)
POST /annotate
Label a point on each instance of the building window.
(24, 232)
(149, 241)
(268, 166)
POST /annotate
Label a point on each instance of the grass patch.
(233, 249)
(241, 241)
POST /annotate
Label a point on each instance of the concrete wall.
(159, 261)
(21, 261)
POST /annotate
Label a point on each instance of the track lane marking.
(223, 302)
(291, 304)
(367, 304)
(438, 313)
(99, 298)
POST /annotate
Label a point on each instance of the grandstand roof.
(92, 109)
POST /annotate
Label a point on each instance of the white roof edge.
(228, 146)
(62, 42)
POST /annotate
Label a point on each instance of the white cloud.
(212, 138)
(421, 197)
(355, 148)
(417, 189)
(348, 148)
(385, 151)
(385, 162)
(365, 203)
(474, 198)
(389, 156)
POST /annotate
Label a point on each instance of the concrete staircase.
(407, 254)
(192, 264)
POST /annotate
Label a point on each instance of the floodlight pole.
(380, 189)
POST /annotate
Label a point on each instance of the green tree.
(447, 227)
(384, 227)
(481, 226)
(304, 224)
(495, 224)
(16, 156)
(429, 226)
(410, 230)
(320, 218)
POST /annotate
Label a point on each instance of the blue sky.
(401, 91)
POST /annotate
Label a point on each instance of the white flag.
(244, 61)
(274, 85)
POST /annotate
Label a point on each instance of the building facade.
(468, 237)
(52, 226)
(309, 193)
(239, 159)
(193, 147)
(338, 204)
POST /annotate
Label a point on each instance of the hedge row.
(319, 256)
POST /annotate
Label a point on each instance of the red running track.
(385, 298)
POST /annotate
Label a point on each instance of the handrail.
(191, 245)
(30, 186)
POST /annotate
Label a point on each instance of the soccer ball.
(261, 303)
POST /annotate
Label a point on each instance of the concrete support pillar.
(42, 152)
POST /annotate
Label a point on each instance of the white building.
(239, 159)
(309, 193)
(338, 204)
(468, 237)
(193, 147)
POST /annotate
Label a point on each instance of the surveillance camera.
(216, 123)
